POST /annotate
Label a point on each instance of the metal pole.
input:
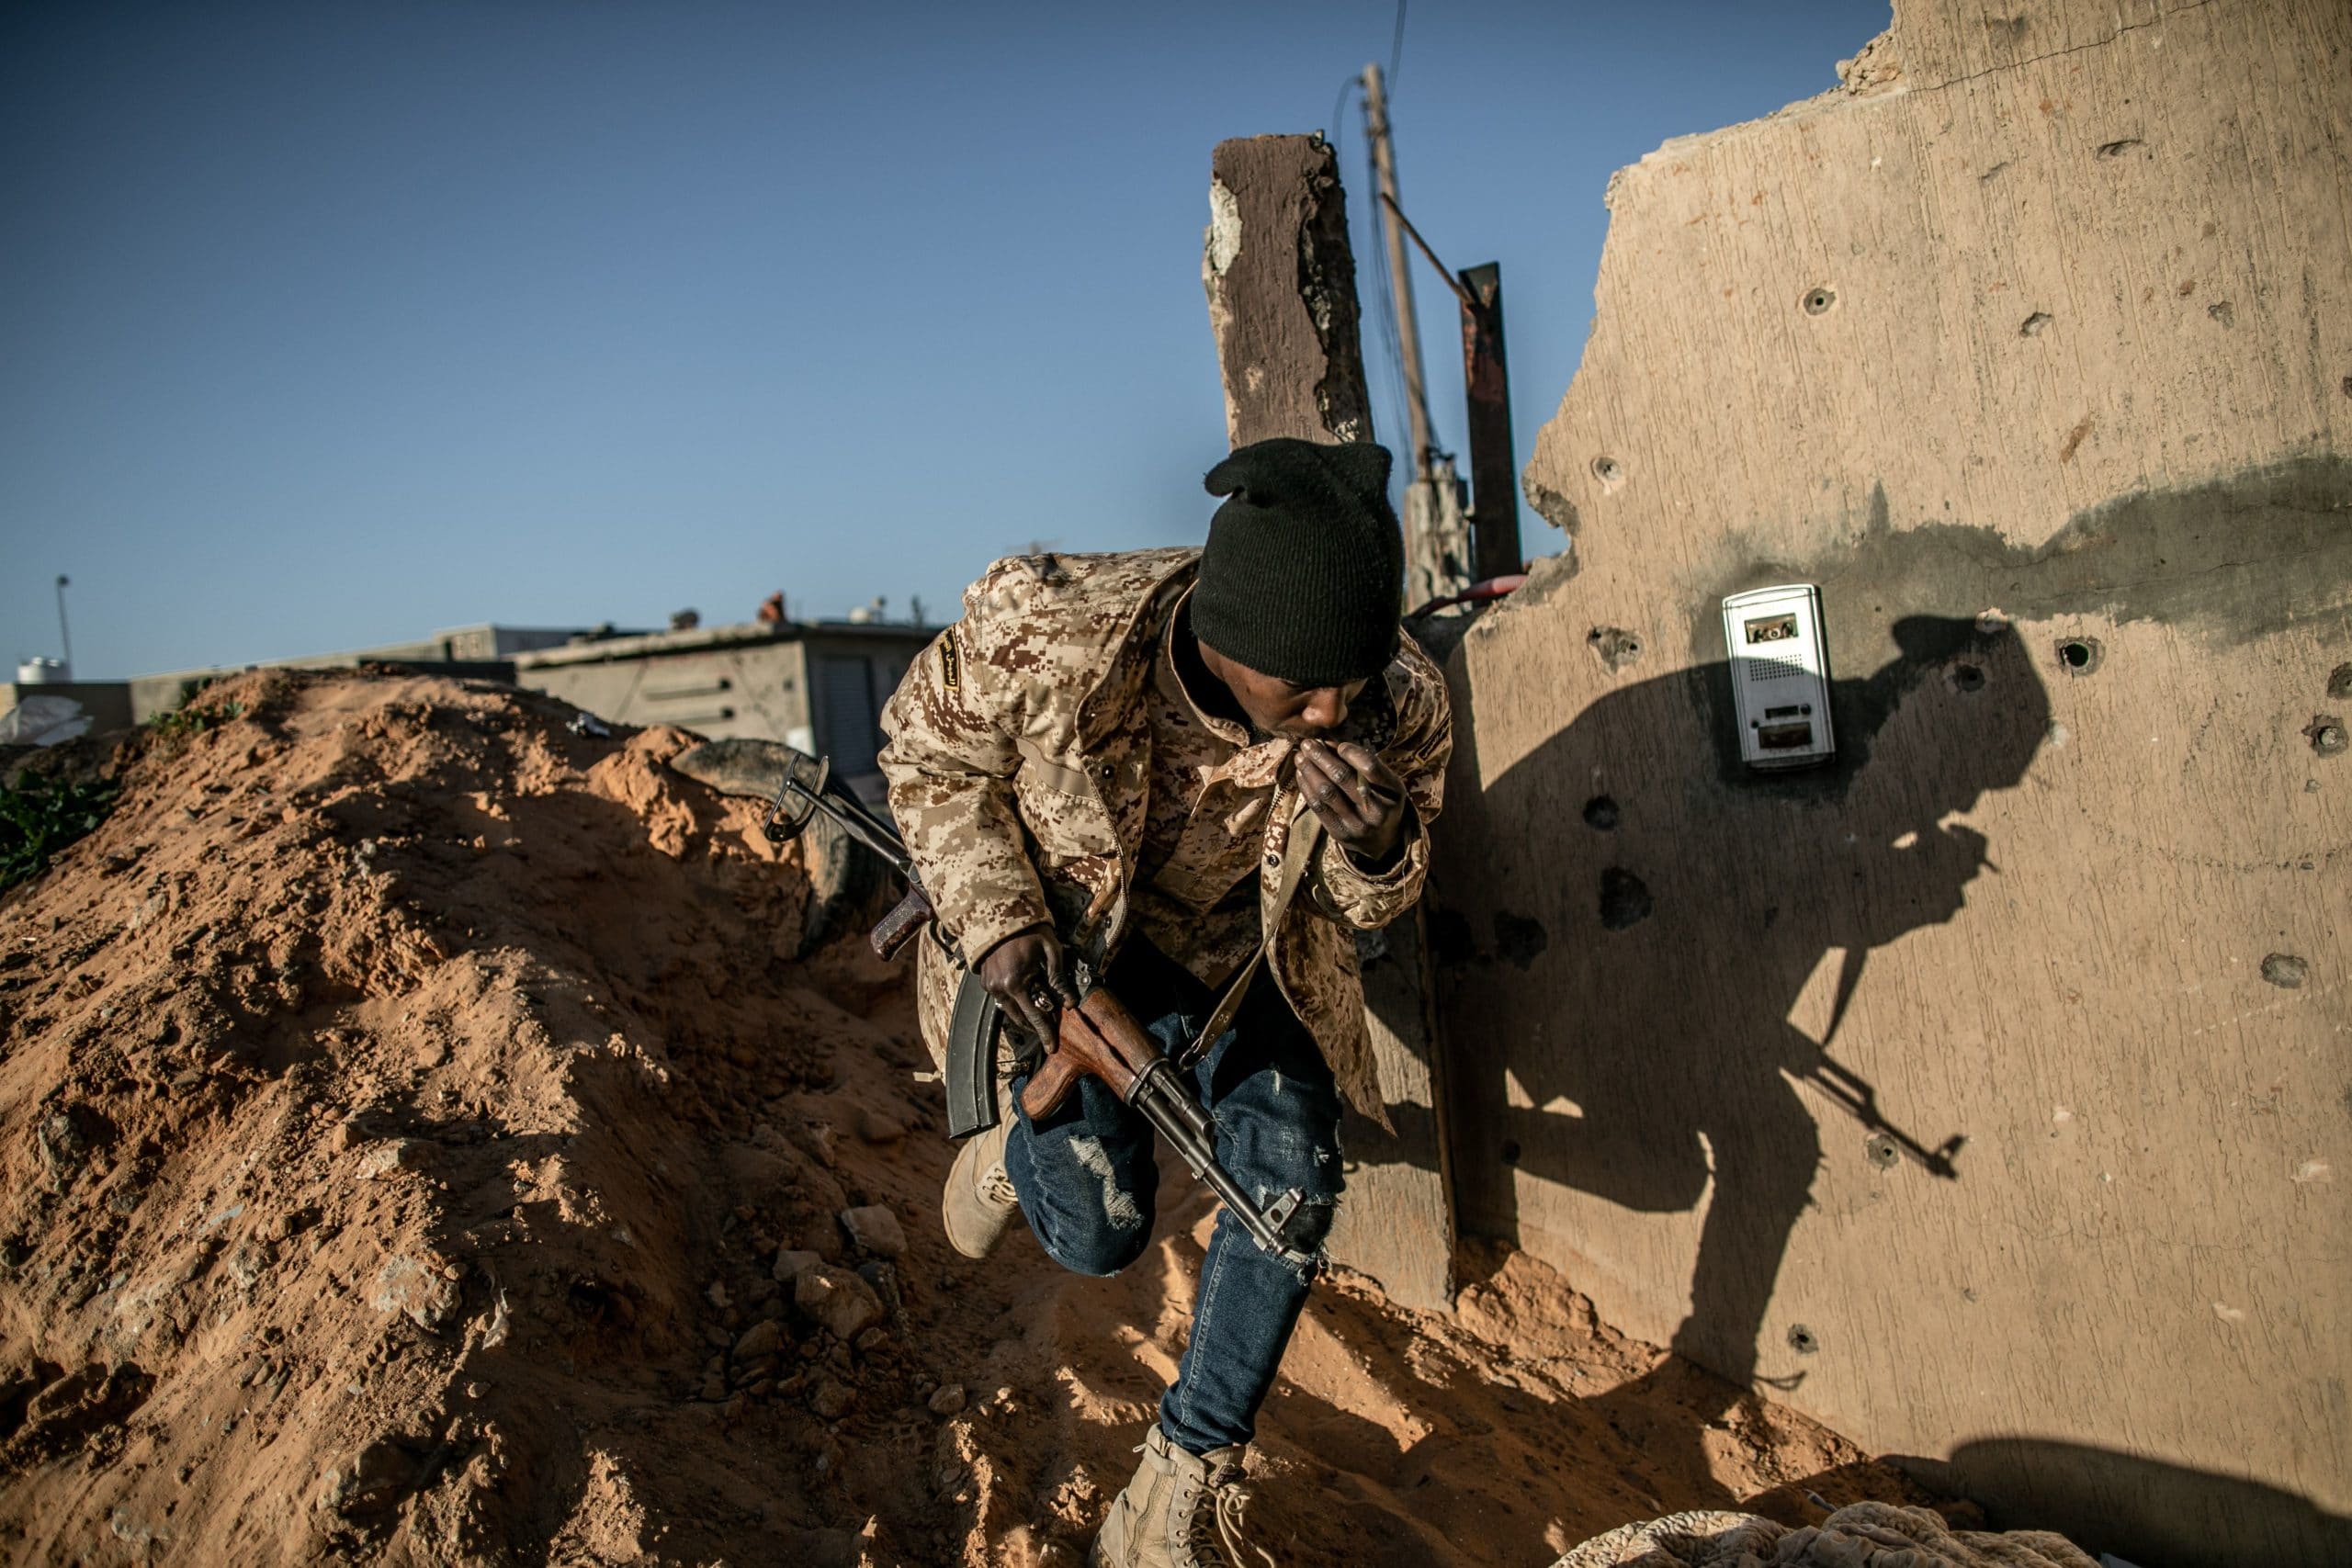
(64, 636)
(1400, 281)
(1486, 378)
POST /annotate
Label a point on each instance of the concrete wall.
(819, 687)
(106, 701)
(756, 688)
(2033, 348)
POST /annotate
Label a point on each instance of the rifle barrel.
(1159, 1109)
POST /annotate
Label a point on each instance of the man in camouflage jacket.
(1197, 771)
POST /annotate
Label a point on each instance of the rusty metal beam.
(1494, 467)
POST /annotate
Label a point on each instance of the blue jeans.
(1088, 1181)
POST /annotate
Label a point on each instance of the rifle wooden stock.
(1100, 1038)
(898, 927)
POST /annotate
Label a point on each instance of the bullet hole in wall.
(1449, 937)
(2079, 655)
(1966, 679)
(1609, 472)
(1802, 1340)
(1616, 647)
(1600, 814)
(1880, 1151)
(1519, 939)
(2034, 324)
(2326, 733)
(1624, 899)
(2286, 971)
(1818, 299)
(2339, 681)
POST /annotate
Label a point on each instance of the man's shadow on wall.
(1707, 896)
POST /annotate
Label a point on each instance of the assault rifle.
(1099, 1037)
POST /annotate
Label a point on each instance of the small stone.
(948, 1400)
(880, 1127)
(790, 1264)
(763, 1339)
(399, 1154)
(875, 1229)
(834, 1399)
(417, 1291)
(757, 1370)
(836, 1299)
(716, 1295)
(872, 1338)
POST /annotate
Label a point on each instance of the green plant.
(39, 816)
(183, 722)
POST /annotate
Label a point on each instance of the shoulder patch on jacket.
(951, 663)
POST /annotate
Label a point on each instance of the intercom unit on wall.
(1779, 675)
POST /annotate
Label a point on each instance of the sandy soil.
(408, 1107)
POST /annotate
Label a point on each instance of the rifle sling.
(1305, 835)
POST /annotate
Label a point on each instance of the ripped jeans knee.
(1087, 1181)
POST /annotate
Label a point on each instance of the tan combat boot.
(1177, 1512)
(979, 1202)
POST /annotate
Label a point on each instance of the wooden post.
(1282, 288)
(1400, 277)
(1282, 298)
(1494, 470)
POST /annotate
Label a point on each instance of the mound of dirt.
(420, 1145)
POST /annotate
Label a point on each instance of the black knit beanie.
(1305, 567)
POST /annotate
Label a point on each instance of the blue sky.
(327, 324)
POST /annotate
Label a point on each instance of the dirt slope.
(408, 1107)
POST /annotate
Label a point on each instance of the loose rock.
(763, 1339)
(420, 1291)
(837, 1299)
(875, 1229)
(790, 1264)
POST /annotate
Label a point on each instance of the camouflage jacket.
(1018, 759)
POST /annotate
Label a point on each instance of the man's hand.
(1030, 980)
(1360, 801)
